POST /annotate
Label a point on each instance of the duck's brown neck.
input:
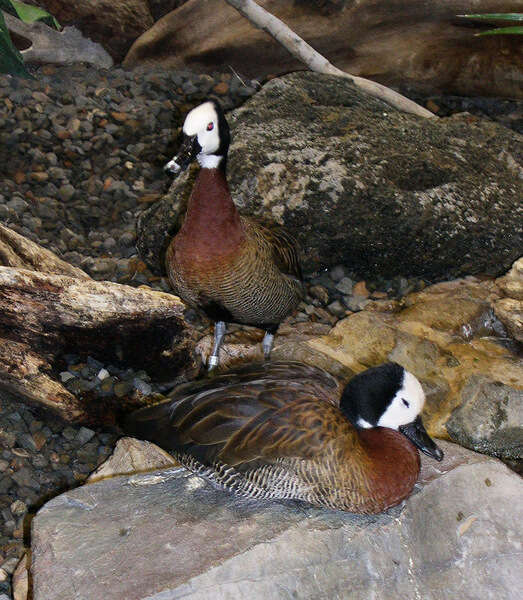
(392, 467)
(211, 212)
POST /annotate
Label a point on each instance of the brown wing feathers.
(281, 246)
(237, 421)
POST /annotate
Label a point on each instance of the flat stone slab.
(170, 535)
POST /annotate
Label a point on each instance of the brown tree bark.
(59, 309)
(423, 45)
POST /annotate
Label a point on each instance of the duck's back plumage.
(275, 431)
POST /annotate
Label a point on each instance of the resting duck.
(232, 267)
(279, 430)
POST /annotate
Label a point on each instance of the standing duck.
(232, 267)
(280, 430)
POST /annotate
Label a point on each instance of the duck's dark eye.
(210, 127)
(405, 402)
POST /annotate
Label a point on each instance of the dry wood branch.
(43, 316)
(23, 373)
(52, 46)
(262, 19)
(17, 251)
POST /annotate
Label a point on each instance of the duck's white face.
(202, 122)
(406, 405)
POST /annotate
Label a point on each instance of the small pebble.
(360, 289)
(102, 374)
(337, 273)
(355, 303)
(9, 565)
(69, 433)
(320, 293)
(18, 508)
(345, 286)
(84, 435)
(122, 388)
(336, 308)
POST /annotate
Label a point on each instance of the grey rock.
(15, 417)
(109, 243)
(9, 565)
(69, 433)
(66, 192)
(337, 273)
(127, 238)
(84, 435)
(170, 535)
(355, 303)
(65, 376)
(18, 205)
(345, 286)
(24, 478)
(336, 308)
(361, 184)
(26, 441)
(102, 374)
(40, 461)
(489, 419)
(142, 386)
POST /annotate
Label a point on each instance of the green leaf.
(496, 17)
(11, 60)
(517, 29)
(28, 13)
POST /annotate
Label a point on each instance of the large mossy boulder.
(360, 183)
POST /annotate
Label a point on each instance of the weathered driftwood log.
(50, 45)
(18, 251)
(44, 315)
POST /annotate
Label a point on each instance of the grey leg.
(219, 332)
(267, 344)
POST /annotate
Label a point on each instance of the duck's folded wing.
(323, 384)
(241, 422)
(282, 247)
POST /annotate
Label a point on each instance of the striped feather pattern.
(275, 431)
(221, 259)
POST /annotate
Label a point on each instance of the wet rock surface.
(170, 534)
(360, 184)
(489, 419)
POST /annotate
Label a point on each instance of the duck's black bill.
(189, 150)
(418, 435)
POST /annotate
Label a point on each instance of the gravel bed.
(81, 154)
(82, 151)
(40, 456)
